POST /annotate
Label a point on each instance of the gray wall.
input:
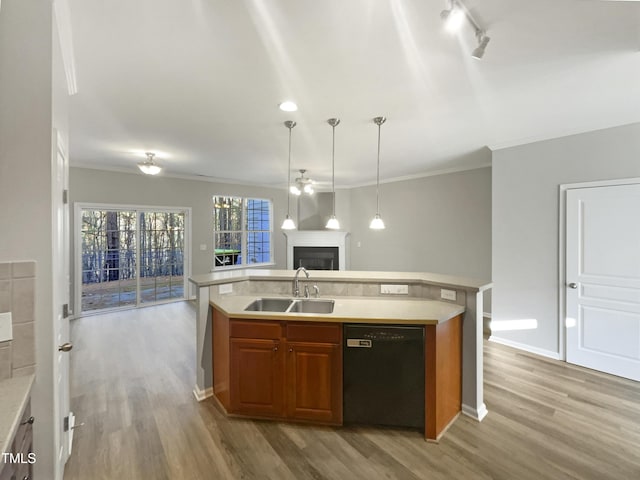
(439, 224)
(526, 183)
(33, 101)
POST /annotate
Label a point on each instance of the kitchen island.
(358, 296)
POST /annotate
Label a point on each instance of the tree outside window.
(242, 231)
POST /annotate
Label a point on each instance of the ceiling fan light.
(376, 223)
(333, 223)
(308, 188)
(148, 167)
(294, 190)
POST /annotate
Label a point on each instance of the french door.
(128, 256)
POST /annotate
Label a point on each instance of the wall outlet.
(448, 294)
(225, 288)
(394, 289)
(6, 330)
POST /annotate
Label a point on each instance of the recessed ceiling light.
(288, 106)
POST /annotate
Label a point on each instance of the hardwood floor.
(132, 375)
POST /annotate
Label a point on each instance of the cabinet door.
(7, 471)
(314, 382)
(257, 377)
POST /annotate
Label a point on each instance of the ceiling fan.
(302, 184)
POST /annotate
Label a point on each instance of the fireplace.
(317, 249)
(316, 258)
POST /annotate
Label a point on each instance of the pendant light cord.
(333, 168)
(289, 176)
(289, 124)
(378, 174)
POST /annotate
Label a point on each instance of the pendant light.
(333, 223)
(377, 223)
(288, 223)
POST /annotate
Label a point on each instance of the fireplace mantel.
(317, 238)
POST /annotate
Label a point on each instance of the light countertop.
(14, 393)
(350, 309)
(469, 284)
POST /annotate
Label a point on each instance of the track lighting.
(483, 40)
(454, 18)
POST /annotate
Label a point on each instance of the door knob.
(65, 347)
(29, 421)
(573, 285)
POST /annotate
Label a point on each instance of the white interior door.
(63, 419)
(603, 279)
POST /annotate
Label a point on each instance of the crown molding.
(63, 21)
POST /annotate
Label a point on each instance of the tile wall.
(17, 295)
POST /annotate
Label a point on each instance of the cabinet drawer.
(314, 332)
(251, 329)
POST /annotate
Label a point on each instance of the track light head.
(483, 41)
(453, 18)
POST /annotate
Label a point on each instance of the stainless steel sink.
(311, 306)
(269, 305)
(288, 305)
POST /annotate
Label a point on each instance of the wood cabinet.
(314, 372)
(443, 376)
(257, 377)
(293, 370)
(20, 463)
(279, 369)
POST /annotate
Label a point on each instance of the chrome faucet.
(296, 288)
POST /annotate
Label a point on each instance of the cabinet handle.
(275, 349)
(30, 421)
(291, 349)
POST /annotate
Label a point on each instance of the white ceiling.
(199, 82)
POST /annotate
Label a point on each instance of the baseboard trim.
(202, 394)
(527, 348)
(475, 413)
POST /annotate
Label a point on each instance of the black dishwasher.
(383, 375)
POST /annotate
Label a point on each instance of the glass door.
(109, 273)
(131, 256)
(161, 256)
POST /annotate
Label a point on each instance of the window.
(242, 231)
